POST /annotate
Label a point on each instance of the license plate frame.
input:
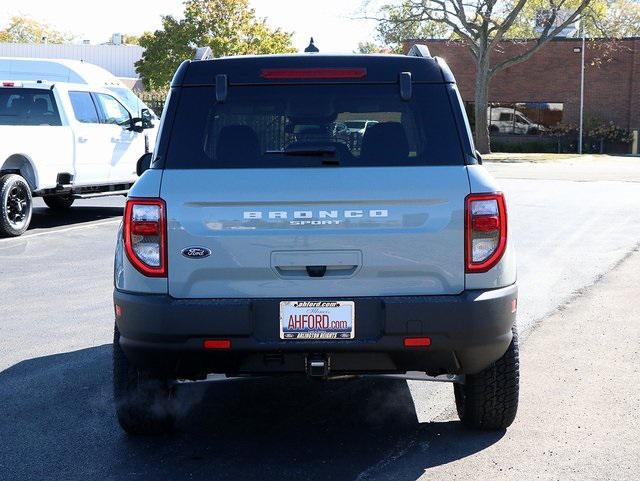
(325, 320)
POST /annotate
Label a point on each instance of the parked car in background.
(340, 131)
(359, 126)
(72, 71)
(509, 121)
(63, 141)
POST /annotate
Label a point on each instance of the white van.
(71, 71)
(507, 121)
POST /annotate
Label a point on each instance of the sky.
(332, 23)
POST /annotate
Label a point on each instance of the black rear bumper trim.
(469, 331)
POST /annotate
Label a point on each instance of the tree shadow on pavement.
(58, 423)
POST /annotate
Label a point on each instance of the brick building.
(546, 88)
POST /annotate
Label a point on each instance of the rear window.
(28, 107)
(312, 125)
(83, 107)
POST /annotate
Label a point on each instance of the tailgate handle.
(316, 264)
(316, 271)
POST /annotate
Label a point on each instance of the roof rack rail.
(419, 50)
(203, 53)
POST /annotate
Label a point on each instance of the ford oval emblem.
(196, 252)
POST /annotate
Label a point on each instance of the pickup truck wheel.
(16, 205)
(489, 399)
(58, 202)
(143, 401)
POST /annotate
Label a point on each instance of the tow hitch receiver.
(318, 365)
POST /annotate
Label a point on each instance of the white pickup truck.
(64, 141)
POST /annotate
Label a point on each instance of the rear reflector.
(217, 344)
(486, 223)
(417, 341)
(118, 310)
(145, 228)
(312, 73)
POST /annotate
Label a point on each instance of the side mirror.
(134, 124)
(478, 157)
(143, 164)
(147, 119)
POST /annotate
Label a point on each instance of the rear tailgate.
(362, 232)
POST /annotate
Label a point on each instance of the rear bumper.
(468, 332)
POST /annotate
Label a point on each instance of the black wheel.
(16, 205)
(489, 399)
(58, 202)
(494, 129)
(143, 401)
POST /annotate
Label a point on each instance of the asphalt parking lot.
(571, 229)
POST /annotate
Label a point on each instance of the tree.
(483, 24)
(392, 31)
(23, 29)
(228, 27)
(370, 47)
(617, 19)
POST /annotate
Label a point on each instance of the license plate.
(317, 320)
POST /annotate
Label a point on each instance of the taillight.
(485, 231)
(145, 236)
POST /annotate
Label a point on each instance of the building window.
(520, 118)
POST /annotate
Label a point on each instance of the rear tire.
(16, 205)
(143, 401)
(58, 202)
(488, 400)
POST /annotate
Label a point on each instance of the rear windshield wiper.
(329, 155)
(311, 152)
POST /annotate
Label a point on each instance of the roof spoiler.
(419, 50)
(203, 53)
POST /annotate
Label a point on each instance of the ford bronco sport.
(260, 243)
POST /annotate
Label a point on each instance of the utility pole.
(581, 87)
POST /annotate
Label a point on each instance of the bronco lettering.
(308, 214)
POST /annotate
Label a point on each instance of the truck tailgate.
(323, 232)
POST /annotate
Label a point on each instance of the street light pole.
(581, 88)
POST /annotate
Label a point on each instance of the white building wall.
(117, 59)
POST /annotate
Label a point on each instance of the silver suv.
(260, 242)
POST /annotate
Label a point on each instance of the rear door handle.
(300, 264)
(82, 140)
(116, 140)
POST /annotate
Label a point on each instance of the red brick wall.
(612, 77)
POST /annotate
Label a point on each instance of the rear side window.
(311, 125)
(83, 107)
(28, 107)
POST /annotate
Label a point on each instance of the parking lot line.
(85, 225)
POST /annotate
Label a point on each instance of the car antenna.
(311, 48)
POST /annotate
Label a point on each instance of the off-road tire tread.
(489, 399)
(6, 230)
